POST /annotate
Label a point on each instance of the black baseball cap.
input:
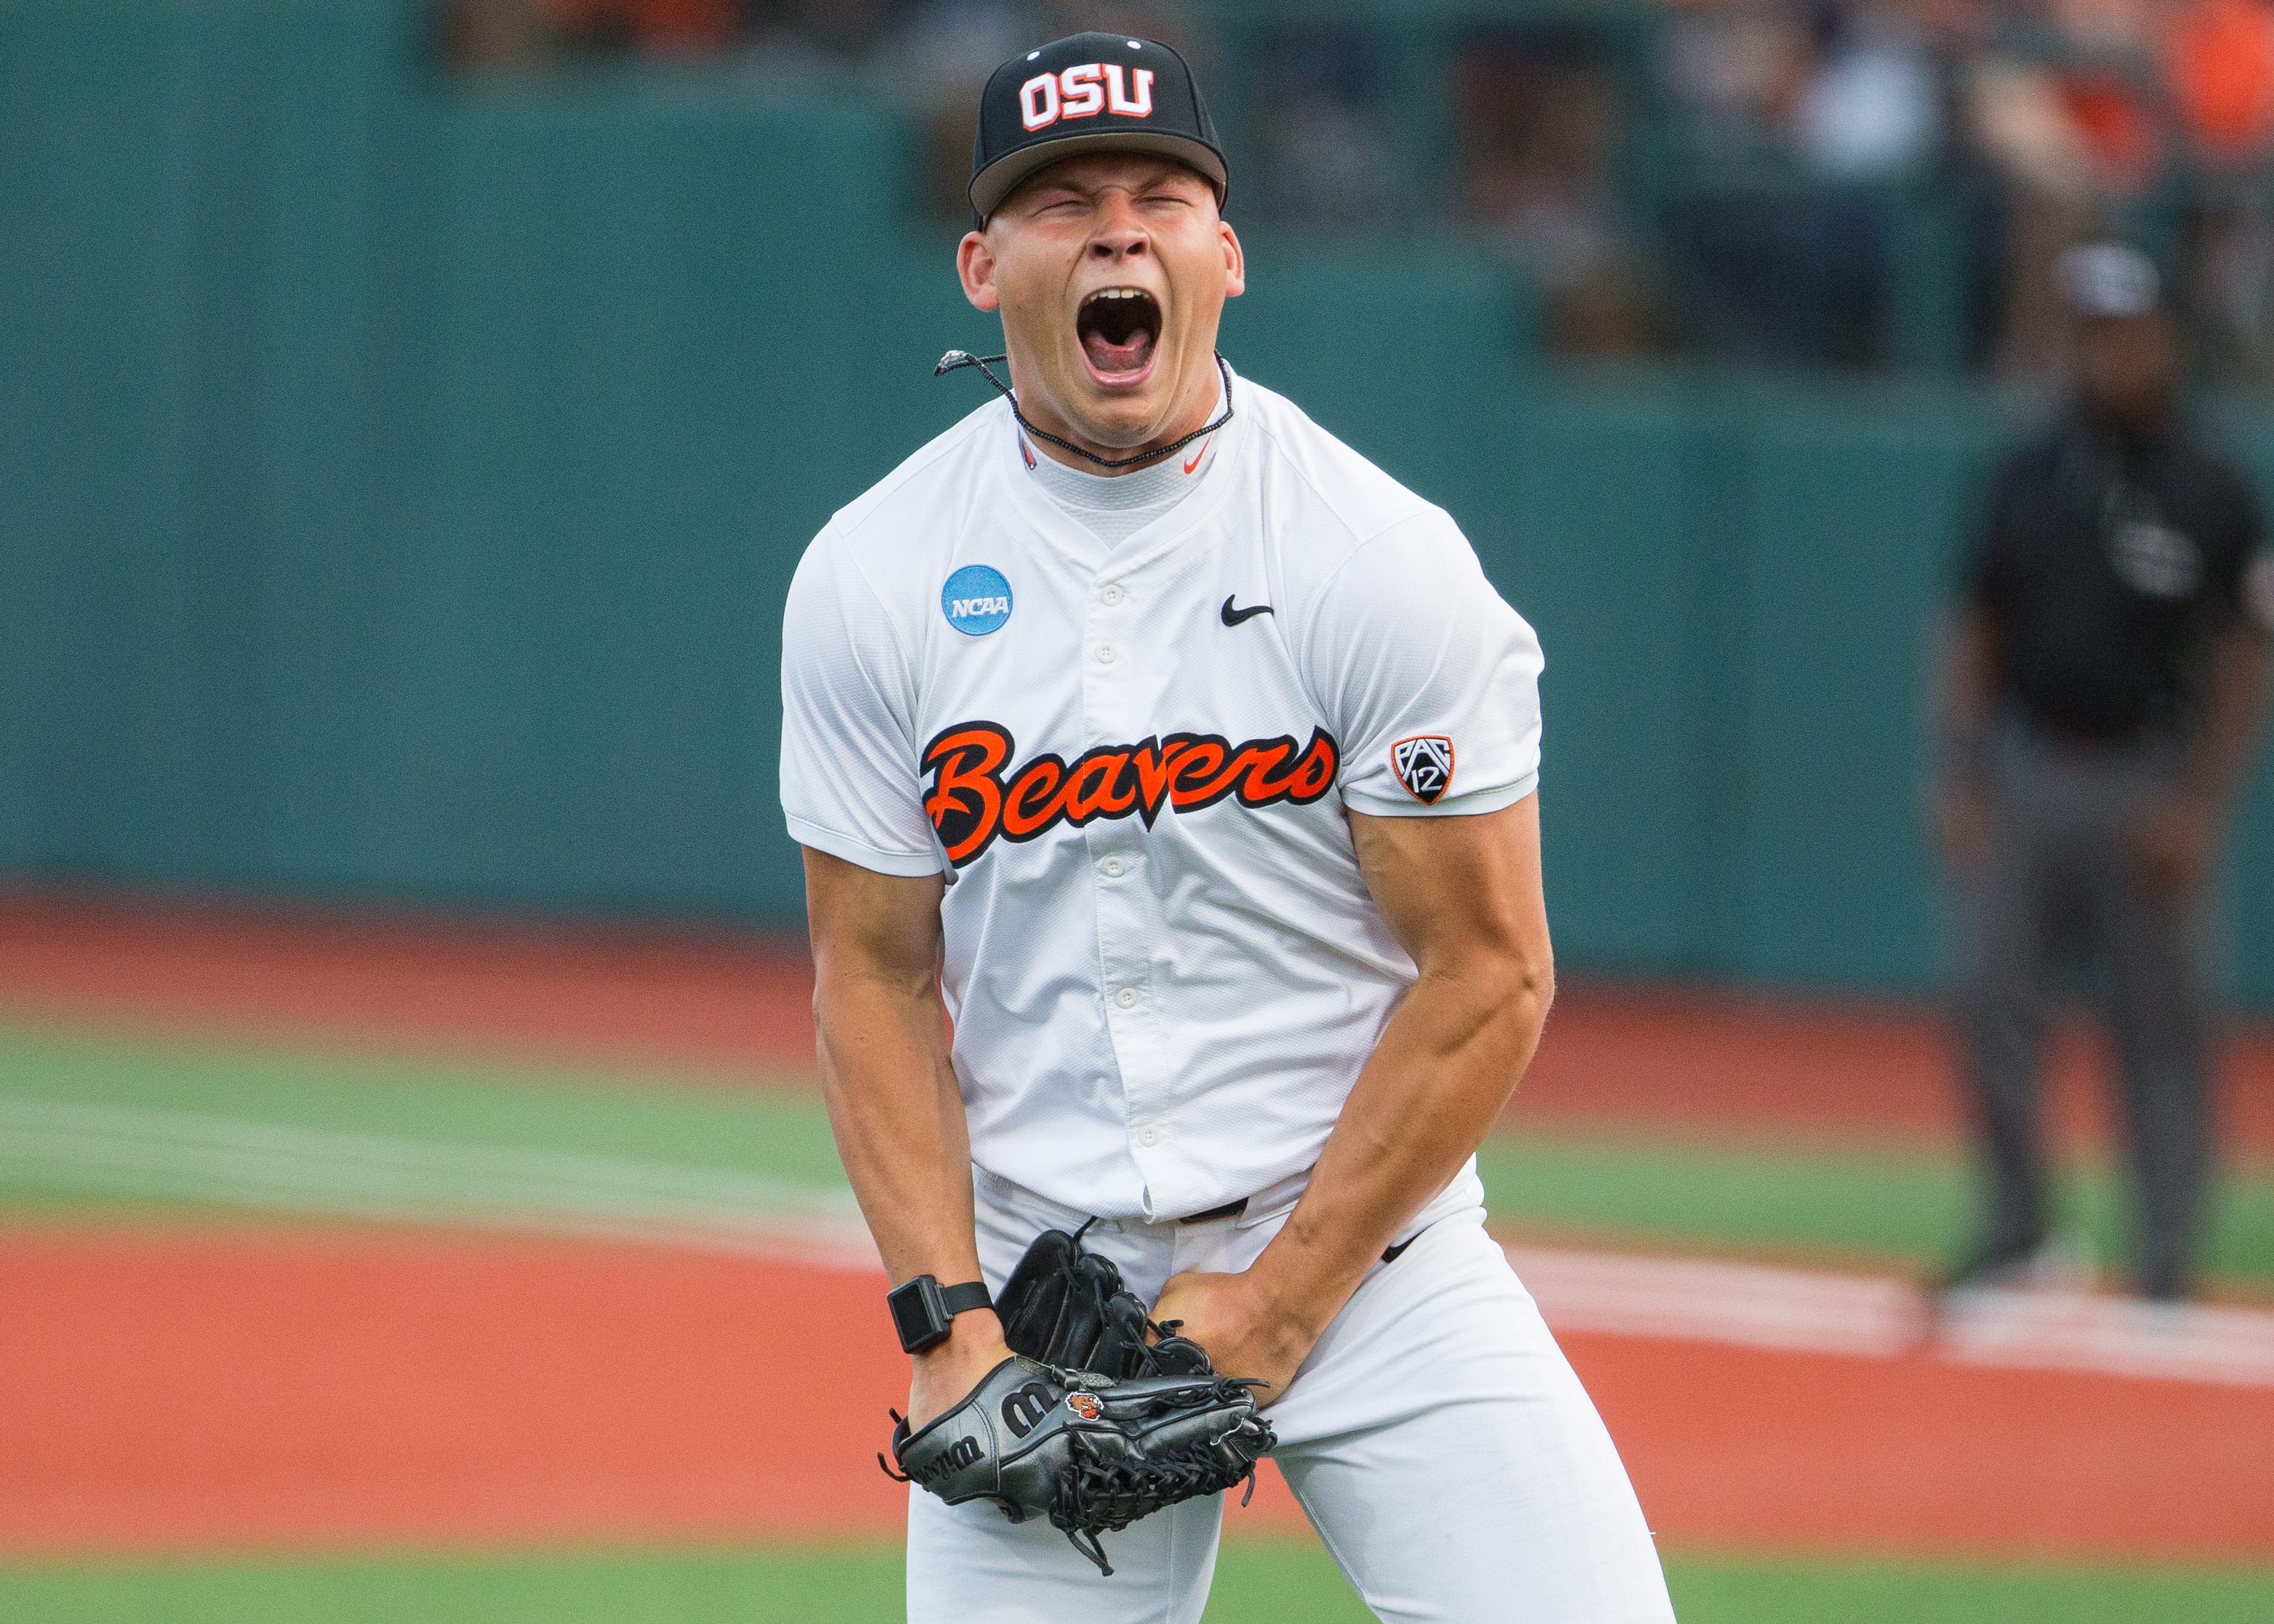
(1088, 91)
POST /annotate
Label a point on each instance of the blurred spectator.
(2220, 58)
(1872, 109)
(940, 63)
(1783, 247)
(2219, 55)
(1734, 72)
(2022, 125)
(2102, 691)
(1323, 130)
(1540, 127)
(2071, 123)
(1749, 171)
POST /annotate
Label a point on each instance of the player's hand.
(2174, 839)
(945, 1374)
(1240, 1333)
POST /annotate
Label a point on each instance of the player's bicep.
(879, 929)
(1461, 892)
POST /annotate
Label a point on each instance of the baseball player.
(1192, 760)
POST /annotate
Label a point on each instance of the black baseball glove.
(1099, 1418)
(1066, 1307)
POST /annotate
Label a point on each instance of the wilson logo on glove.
(1023, 1411)
(964, 1452)
(973, 800)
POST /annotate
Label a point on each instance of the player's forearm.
(899, 1120)
(1441, 1074)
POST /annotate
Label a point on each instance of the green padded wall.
(400, 479)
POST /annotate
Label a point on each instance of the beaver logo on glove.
(1088, 1406)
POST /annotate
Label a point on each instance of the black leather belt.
(1229, 1209)
(1233, 1209)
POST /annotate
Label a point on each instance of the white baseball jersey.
(1132, 763)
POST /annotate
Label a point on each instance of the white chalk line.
(188, 1156)
(1754, 1305)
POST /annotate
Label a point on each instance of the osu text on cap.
(1084, 92)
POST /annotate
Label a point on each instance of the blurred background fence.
(409, 418)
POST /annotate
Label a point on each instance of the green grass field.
(1257, 1583)
(673, 1139)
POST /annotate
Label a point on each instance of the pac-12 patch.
(1424, 764)
(976, 600)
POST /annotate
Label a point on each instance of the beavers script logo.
(972, 800)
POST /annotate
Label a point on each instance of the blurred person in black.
(2103, 692)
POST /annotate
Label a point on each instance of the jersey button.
(1148, 1138)
(1126, 997)
(1112, 593)
(1106, 654)
(1113, 867)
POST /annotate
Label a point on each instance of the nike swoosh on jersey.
(1231, 616)
(1197, 455)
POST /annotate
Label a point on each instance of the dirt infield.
(259, 1386)
(212, 1389)
(730, 1006)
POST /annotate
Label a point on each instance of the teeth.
(1120, 293)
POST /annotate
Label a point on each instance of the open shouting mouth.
(1119, 328)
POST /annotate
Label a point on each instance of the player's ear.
(974, 263)
(1235, 261)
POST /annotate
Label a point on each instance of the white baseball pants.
(1436, 1438)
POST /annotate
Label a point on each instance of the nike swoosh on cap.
(1231, 616)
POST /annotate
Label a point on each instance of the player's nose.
(1121, 232)
(1118, 245)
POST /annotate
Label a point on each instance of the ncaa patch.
(1424, 764)
(976, 600)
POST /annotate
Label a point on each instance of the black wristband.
(923, 1308)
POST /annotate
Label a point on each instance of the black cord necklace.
(956, 358)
